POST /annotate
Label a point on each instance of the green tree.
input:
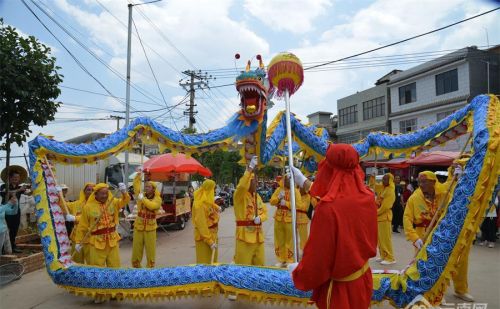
(223, 164)
(28, 86)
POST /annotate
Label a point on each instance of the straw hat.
(22, 172)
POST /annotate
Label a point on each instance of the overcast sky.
(180, 35)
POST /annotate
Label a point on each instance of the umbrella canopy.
(165, 165)
(435, 158)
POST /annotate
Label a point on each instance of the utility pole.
(117, 118)
(127, 97)
(194, 80)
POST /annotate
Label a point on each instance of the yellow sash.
(355, 275)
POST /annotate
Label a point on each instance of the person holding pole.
(303, 219)
(283, 226)
(148, 204)
(384, 202)
(423, 209)
(250, 212)
(97, 226)
(75, 211)
(343, 234)
(206, 223)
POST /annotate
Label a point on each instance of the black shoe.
(396, 231)
(15, 250)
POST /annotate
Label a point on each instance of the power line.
(108, 110)
(69, 52)
(165, 38)
(93, 54)
(402, 41)
(149, 64)
(107, 95)
(154, 51)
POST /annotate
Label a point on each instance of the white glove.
(58, 189)
(122, 187)
(374, 171)
(281, 195)
(458, 171)
(213, 246)
(256, 220)
(287, 173)
(78, 248)
(292, 266)
(253, 162)
(70, 218)
(140, 196)
(298, 176)
(283, 202)
(418, 243)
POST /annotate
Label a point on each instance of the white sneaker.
(482, 243)
(231, 297)
(379, 259)
(491, 245)
(387, 262)
(279, 264)
(466, 296)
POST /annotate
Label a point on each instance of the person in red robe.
(343, 233)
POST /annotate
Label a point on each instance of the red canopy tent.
(162, 166)
(435, 158)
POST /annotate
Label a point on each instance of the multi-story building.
(429, 92)
(364, 112)
(325, 120)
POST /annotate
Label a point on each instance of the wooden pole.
(443, 203)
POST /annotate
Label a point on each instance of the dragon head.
(253, 86)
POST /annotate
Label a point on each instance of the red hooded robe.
(343, 234)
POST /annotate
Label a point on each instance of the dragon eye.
(260, 78)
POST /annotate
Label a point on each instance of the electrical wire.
(94, 55)
(70, 53)
(106, 95)
(126, 27)
(402, 41)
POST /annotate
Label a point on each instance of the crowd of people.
(352, 221)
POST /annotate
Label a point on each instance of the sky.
(205, 35)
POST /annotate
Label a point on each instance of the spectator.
(10, 208)
(488, 228)
(17, 175)
(397, 208)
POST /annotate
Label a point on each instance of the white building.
(433, 90)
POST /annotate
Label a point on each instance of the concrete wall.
(358, 99)
(426, 88)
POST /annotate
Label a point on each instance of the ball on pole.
(285, 72)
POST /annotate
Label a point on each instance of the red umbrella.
(162, 166)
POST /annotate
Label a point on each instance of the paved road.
(36, 290)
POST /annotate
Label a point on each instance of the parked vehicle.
(110, 170)
(176, 202)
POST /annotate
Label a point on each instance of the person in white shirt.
(489, 228)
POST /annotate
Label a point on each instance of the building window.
(441, 116)
(408, 94)
(406, 126)
(447, 82)
(374, 108)
(350, 138)
(348, 115)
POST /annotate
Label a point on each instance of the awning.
(398, 163)
(435, 158)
